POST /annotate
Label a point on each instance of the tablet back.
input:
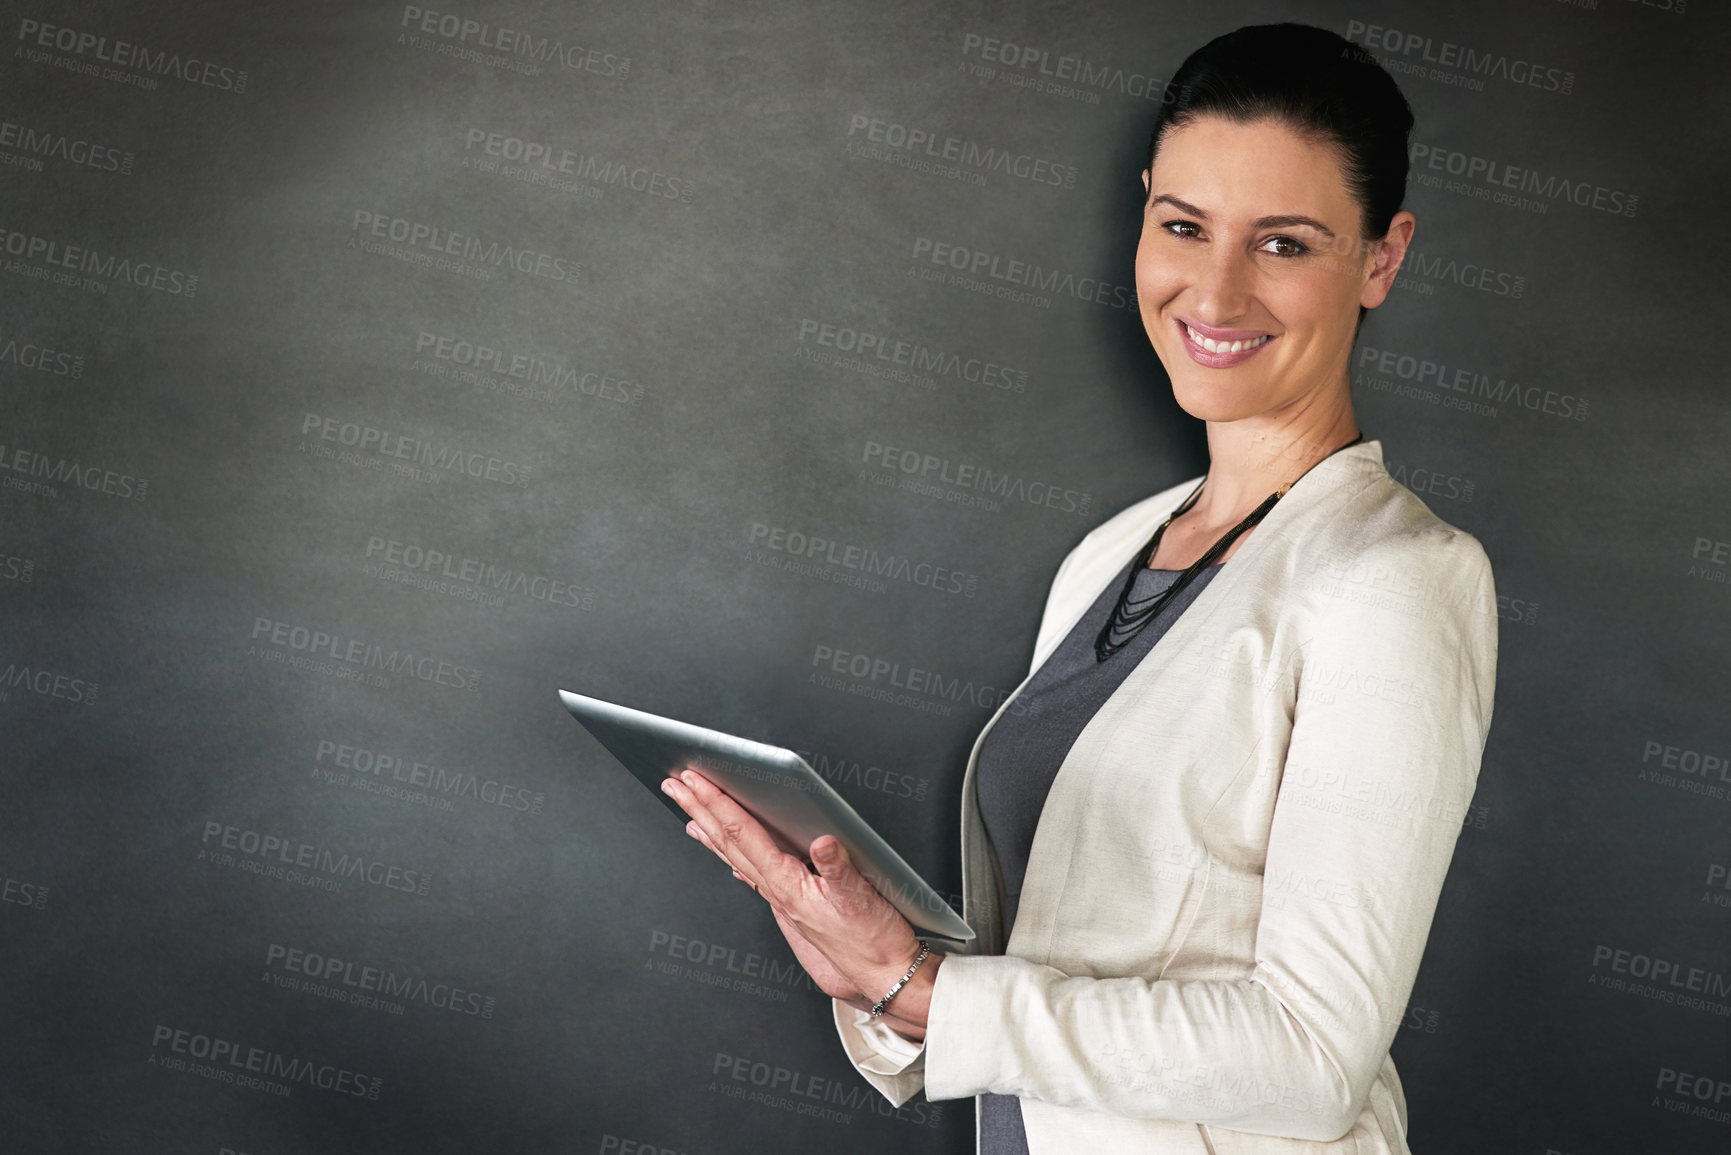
(776, 785)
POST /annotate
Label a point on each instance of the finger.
(696, 831)
(835, 866)
(697, 815)
(749, 846)
(687, 801)
(693, 809)
(710, 829)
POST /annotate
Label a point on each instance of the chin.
(1222, 402)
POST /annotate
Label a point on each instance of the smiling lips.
(1221, 348)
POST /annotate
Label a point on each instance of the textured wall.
(368, 371)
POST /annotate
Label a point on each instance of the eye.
(1169, 225)
(1295, 248)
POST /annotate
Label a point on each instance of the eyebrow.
(1279, 222)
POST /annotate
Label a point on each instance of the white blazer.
(1234, 874)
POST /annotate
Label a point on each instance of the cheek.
(1315, 300)
(1334, 279)
(1156, 272)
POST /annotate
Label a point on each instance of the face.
(1250, 235)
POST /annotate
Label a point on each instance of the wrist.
(909, 1009)
(893, 980)
(907, 1030)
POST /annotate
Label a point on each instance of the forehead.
(1260, 168)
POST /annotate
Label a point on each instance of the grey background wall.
(368, 371)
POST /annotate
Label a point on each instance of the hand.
(851, 941)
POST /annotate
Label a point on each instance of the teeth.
(1224, 346)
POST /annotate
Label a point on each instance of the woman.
(1203, 853)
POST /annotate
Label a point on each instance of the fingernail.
(685, 776)
(667, 786)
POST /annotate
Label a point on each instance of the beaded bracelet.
(925, 949)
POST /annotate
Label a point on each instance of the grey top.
(1024, 748)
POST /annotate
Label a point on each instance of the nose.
(1223, 285)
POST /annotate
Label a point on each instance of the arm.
(1348, 897)
(891, 1055)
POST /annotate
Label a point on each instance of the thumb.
(831, 858)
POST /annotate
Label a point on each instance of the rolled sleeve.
(892, 1063)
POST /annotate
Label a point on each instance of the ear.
(1390, 252)
(1146, 188)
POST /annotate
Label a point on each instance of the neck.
(1251, 458)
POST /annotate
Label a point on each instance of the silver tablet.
(776, 785)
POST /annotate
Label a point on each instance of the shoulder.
(1371, 559)
(1372, 520)
(1380, 583)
